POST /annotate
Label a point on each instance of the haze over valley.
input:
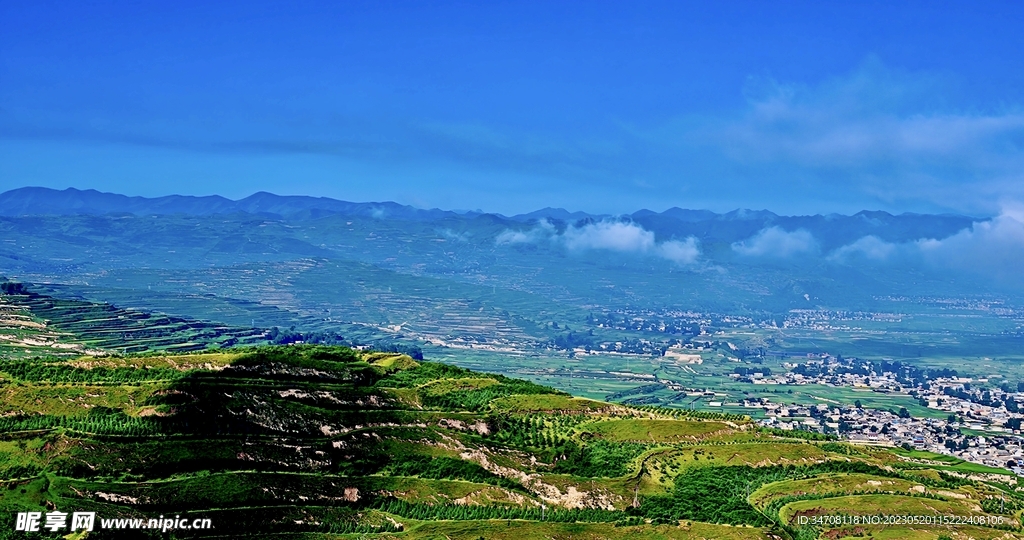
(563, 288)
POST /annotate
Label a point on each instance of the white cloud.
(610, 235)
(449, 234)
(543, 230)
(876, 132)
(992, 248)
(777, 242)
(618, 236)
(685, 252)
(869, 247)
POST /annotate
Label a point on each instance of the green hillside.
(327, 442)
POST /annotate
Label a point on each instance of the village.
(981, 424)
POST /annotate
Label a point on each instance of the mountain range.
(832, 230)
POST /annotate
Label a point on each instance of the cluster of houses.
(977, 420)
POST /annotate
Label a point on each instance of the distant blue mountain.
(831, 230)
(559, 214)
(678, 214)
(44, 201)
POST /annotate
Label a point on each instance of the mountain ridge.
(26, 201)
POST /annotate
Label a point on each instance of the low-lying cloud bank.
(776, 242)
(994, 247)
(610, 235)
(542, 231)
(989, 249)
(869, 247)
(617, 236)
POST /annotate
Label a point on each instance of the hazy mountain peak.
(560, 214)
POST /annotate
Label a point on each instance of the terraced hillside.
(326, 442)
(32, 324)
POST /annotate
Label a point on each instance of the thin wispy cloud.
(454, 236)
(876, 137)
(879, 132)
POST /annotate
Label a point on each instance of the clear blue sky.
(798, 107)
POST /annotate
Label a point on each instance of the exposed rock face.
(480, 427)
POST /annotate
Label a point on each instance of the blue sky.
(797, 107)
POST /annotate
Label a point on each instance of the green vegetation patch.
(599, 458)
(529, 530)
(642, 429)
(756, 454)
(62, 372)
(182, 362)
(720, 494)
(73, 400)
(944, 462)
(547, 403)
(423, 373)
(246, 489)
(447, 386)
(446, 468)
(481, 398)
(390, 362)
(833, 483)
(869, 505)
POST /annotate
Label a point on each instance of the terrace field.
(329, 442)
(132, 413)
(32, 323)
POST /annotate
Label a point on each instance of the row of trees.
(98, 424)
(687, 413)
(479, 399)
(34, 371)
(466, 512)
(535, 430)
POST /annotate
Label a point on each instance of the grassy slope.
(329, 440)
